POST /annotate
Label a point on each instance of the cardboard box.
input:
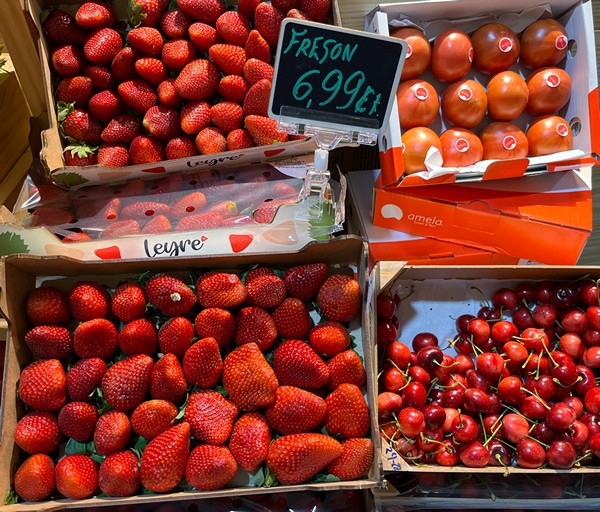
(582, 111)
(22, 273)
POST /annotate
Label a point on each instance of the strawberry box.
(23, 273)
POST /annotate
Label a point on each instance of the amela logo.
(509, 142)
(470, 54)
(421, 93)
(392, 211)
(505, 44)
(561, 42)
(409, 51)
(562, 129)
(553, 80)
(465, 93)
(461, 145)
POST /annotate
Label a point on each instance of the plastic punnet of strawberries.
(176, 80)
(170, 383)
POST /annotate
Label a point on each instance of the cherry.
(476, 401)
(463, 364)
(479, 329)
(543, 433)
(525, 292)
(386, 307)
(523, 318)
(462, 321)
(492, 426)
(504, 298)
(424, 339)
(395, 322)
(575, 403)
(496, 406)
(565, 373)
(504, 331)
(515, 427)
(435, 416)
(570, 343)
(388, 403)
(560, 416)
(429, 356)
(589, 293)
(478, 380)
(435, 396)
(591, 336)
(591, 357)
(591, 400)
(543, 386)
(530, 454)
(455, 380)
(577, 435)
(500, 454)
(414, 395)
(430, 439)
(574, 320)
(565, 296)
(545, 314)
(464, 428)
(386, 332)
(447, 455)
(516, 354)
(411, 421)
(393, 379)
(587, 380)
(462, 344)
(475, 455)
(419, 374)
(534, 408)
(537, 364)
(390, 431)
(443, 370)
(592, 422)
(451, 414)
(592, 314)
(543, 290)
(510, 390)
(453, 397)
(595, 444)
(535, 340)
(408, 448)
(489, 313)
(490, 364)
(561, 455)
(399, 354)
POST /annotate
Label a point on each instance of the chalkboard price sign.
(334, 77)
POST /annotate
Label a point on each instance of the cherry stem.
(561, 385)
(584, 456)
(429, 440)
(538, 441)
(498, 457)
(431, 387)
(532, 393)
(527, 360)
(484, 301)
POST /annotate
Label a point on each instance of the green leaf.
(63, 109)
(97, 458)
(136, 16)
(77, 448)
(140, 445)
(69, 179)
(258, 478)
(270, 479)
(11, 243)
(11, 497)
(325, 477)
(222, 390)
(81, 149)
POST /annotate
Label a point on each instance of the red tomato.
(544, 43)
(496, 48)
(549, 90)
(452, 55)
(507, 96)
(418, 103)
(549, 134)
(417, 142)
(502, 140)
(464, 103)
(460, 147)
(418, 53)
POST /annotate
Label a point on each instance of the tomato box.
(581, 112)
(22, 273)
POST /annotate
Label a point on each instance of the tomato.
(452, 55)
(418, 103)
(496, 47)
(502, 140)
(460, 147)
(549, 134)
(418, 53)
(417, 142)
(464, 103)
(543, 43)
(549, 90)
(507, 96)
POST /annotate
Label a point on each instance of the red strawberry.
(50, 216)
(175, 335)
(297, 364)
(162, 122)
(95, 14)
(49, 342)
(203, 36)
(220, 290)
(77, 420)
(158, 224)
(292, 319)
(38, 432)
(255, 70)
(256, 325)
(217, 323)
(123, 65)
(229, 58)
(211, 140)
(102, 45)
(122, 129)
(267, 20)
(120, 228)
(211, 416)
(257, 48)
(355, 461)
(264, 130)
(284, 5)
(90, 207)
(295, 410)
(316, 10)
(297, 457)
(138, 337)
(145, 149)
(112, 433)
(152, 70)
(247, 7)
(119, 474)
(113, 155)
(195, 116)
(239, 139)
(250, 439)
(329, 338)
(43, 385)
(105, 105)
(200, 221)
(102, 77)
(138, 95)
(167, 381)
(194, 202)
(146, 40)
(266, 213)
(126, 382)
(167, 95)
(207, 11)
(177, 53)
(147, 13)
(164, 459)
(303, 281)
(339, 298)
(202, 363)
(210, 467)
(153, 417)
(75, 237)
(34, 480)
(61, 28)
(82, 126)
(265, 289)
(257, 99)
(248, 378)
(347, 412)
(297, 14)
(233, 27)
(227, 116)
(76, 476)
(67, 60)
(346, 367)
(47, 305)
(84, 377)
(198, 80)
(175, 24)
(233, 88)
(284, 190)
(170, 295)
(75, 89)
(95, 338)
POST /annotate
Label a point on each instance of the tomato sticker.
(470, 54)
(561, 42)
(409, 51)
(509, 142)
(421, 93)
(505, 44)
(465, 93)
(553, 80)
(562, 129)
(461, 145)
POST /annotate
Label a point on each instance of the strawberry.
(239, 139)
(151, 69)
(339, 298)
(295, 410)
(162, 122)
(113, 155)
(175, 335)
(100, 209)
(229, 58)
(76, 476)
(43, 385)
(257, 48)
(284, 5)
(233, 88)
(220, 290)
(38, 432)
(95, 338)
(122, 129)
(119, 474)
(75, 89)
(73, 157)
(266, 213)
(198, 80)
(346, 367)
(77, 420)
(147, 13)
(264, 130)
(138, 337)
(194, 202)
(296, 458)
(347, 412)
(217, 323)
(47, 305)
(82, 126)
(95, 14)
(174, 24)
(145, 149)
(112, 433)
(195, 116)
(226, 208)
(170, 295)
(248, 378)
(34, 480)
(297, 14)
(49, 342)
(61, 28)
(256, 325)
(158, 224)
(146, 40)
(123, 65)
(284, 190)
(267, 20)
(292, 319)
(121, 228)
(211, 140)
(297, 364)
(153, 417)
(101, 76)
(138, 95)
(75, 237)
(202, 363)
(84, 377)
(316, 10)
(50, 216)
(167, 381)
(210, 467)
(256, 101)
(102, 45)
(247, 7)
(211, 416)
(255, 70)
(303, 281)
(167, 95)
(200, 221)
(203, 36)
(227, 116)
(207, 11)
(105, 105)
(355, 461)
(126, 382)
(249, 441)
(265, 289)
(177, 53)
(164, 459)
(329, 338)
(233, 27)
(67, 60)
